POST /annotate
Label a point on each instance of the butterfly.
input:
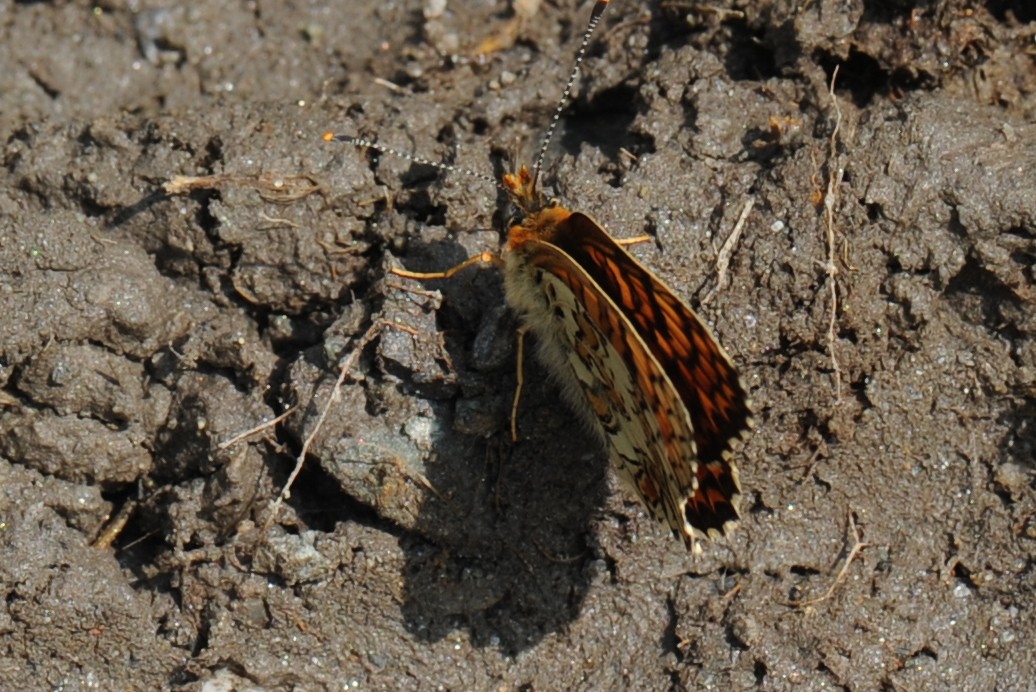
(638, 365)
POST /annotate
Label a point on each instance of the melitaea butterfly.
(632, 359)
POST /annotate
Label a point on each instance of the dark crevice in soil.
(865, 78)
(973, 287)
(749, 57)
(318, 499)
(670, 641)
(604, 124)
(1013, 11)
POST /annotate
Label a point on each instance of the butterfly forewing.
(684, 347)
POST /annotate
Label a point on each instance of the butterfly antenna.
(364, 143)
(595, 18)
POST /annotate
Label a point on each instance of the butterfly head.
(540, 216)
(523, 190)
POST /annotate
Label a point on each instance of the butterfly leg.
(633, 241)
(485, 258)
(521, 382)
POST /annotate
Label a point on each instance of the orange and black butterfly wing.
(609, 375)
(698, 367)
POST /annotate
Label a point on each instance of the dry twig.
(858, 545)
(343, 373)
(836, 173)
(727, 252)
